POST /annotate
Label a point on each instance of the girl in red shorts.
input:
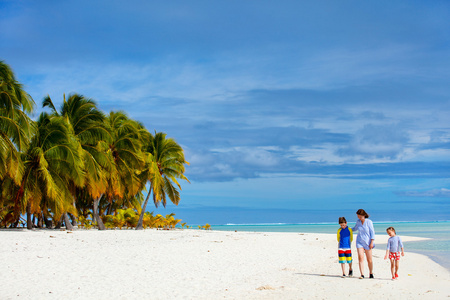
(393, 251)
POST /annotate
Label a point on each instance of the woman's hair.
(342, 220)
(391, 228)
(363, 213)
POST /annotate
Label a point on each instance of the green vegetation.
(78, 166)
(205, 227)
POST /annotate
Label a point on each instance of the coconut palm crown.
(16, 128)
(165, 165)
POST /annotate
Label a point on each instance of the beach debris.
(52, 236)
(265, 287)
(409, 275)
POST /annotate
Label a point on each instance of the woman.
(364, 241)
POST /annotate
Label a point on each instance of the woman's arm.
(356, 226)
(371, 235)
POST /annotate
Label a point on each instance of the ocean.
(438, 248)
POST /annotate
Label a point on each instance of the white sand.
(193, 264)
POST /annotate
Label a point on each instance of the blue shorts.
(363, 245)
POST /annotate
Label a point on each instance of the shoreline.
(435, 258)
(200, 264)
(438, 249)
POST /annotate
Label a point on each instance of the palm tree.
(52, 160)
(77, 157)
(87, 123)
(125, 149)
(167, 157)
(16, 128)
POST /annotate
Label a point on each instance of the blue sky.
(288, 111)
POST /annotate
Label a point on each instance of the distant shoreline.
(326, 223)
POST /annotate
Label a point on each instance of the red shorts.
(394, 255)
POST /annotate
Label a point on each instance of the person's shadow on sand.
(338, 276)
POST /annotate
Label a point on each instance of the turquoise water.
(438, 248)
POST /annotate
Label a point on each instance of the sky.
(288, 111)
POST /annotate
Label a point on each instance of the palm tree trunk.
(109, 209)
(68, 222)
(74, 220)
(58, 223)
(97, 218)
(48, 223)
(139, 225)
(40, 221)
(72, 217)
(29, 221)
(17, 198)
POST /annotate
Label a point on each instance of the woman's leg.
(369, 260)
(361, 260)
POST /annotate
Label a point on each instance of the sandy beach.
(194, 264)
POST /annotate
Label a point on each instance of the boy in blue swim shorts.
(345, 238)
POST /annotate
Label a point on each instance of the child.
(394, 245)
(345, 238)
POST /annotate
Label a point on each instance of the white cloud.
(325, 154)
(441, 193)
